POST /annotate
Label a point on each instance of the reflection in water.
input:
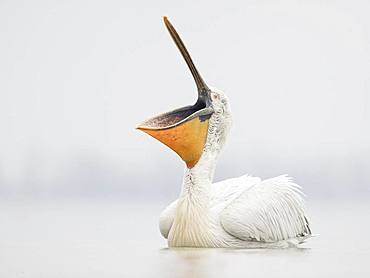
(203, 262)
(264, 252)
(189, 262)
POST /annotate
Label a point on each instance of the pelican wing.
(166, 219)
(269, 211)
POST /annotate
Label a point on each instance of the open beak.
(184, 130)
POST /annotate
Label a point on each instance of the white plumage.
(246, 212)
(243, 212)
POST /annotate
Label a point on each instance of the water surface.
(84, 239)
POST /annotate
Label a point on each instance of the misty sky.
(77, 76)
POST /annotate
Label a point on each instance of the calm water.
(64, 239)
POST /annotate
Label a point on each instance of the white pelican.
(244, 212)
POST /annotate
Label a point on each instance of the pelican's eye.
(214, 96)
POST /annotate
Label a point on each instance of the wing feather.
(166, 219)
(269, 211)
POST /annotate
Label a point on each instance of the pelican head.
(192, 130)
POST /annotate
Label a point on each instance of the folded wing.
(269, 211)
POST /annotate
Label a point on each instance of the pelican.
(243, 212)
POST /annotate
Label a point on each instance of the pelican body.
(243, 212)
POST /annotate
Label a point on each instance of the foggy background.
(81, 189)
(77, 76)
